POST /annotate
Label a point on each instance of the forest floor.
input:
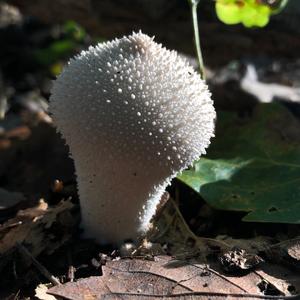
(195, 251)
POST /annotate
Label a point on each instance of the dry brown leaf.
(161, 278)
(287, 253)
(20, 132)
(294, 250)
(237, 260)
(281, 278)
(169, 227)
(41, 292)
(29, 226)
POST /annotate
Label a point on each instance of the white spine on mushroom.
(134, 114)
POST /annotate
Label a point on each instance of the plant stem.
(194, 5)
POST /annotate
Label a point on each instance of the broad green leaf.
(253, 165)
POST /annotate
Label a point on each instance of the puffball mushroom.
(134, 114)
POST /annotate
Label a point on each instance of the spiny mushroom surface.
(134, 114)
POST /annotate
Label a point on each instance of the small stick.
(71, 273)
(40, 267)
(71, 270)
(3, 227)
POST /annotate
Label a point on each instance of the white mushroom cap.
(134, 114)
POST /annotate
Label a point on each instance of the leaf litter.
(188, 271)
(31, 227)
(260, 266)
(162, 278)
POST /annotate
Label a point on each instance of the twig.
(194, 5)
(4, 227)
(71, 269)
(282, 242)
(222, 244)
(39, 266)
(14, 270)
(16, 297)
(71, 273)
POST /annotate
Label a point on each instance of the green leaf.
(74, 30)
(248, 12)
(256, 15)
(228, 12)
(74, 36)
(253, 165)
(57, 50)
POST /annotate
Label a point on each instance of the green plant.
(72, 38)
(248, 12)
(249, 167)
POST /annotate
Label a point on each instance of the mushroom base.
(118, 203)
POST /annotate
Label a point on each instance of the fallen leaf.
(237, 260)
(162, 277)
(171, 229)
(33, 227)
(287, 252)
(293, 250)
(41, 292)
(281, 278)
(21, 132)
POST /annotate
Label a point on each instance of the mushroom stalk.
(134, 114)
